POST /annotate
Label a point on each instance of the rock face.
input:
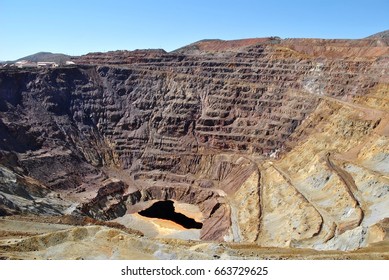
(278, 142)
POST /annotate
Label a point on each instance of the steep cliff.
(271, 142)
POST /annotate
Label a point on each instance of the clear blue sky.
(77, 27)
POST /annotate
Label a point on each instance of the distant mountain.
(47, 56)
(380, 35)
(217, 45)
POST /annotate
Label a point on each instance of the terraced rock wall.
(268, 137)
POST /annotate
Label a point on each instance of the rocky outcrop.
(279, 142)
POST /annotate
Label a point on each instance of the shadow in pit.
(165, 210)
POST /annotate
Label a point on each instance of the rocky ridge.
(279, 143)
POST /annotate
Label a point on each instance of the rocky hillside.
(271, 142)
(58, 58)
(384, 35)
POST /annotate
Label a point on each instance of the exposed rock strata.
(279, 142)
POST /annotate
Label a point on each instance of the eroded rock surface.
(279, 143)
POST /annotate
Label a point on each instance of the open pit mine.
(262, 148)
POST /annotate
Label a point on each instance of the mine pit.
(218, 142)
(165, 210)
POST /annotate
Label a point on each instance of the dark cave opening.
(165, 210)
